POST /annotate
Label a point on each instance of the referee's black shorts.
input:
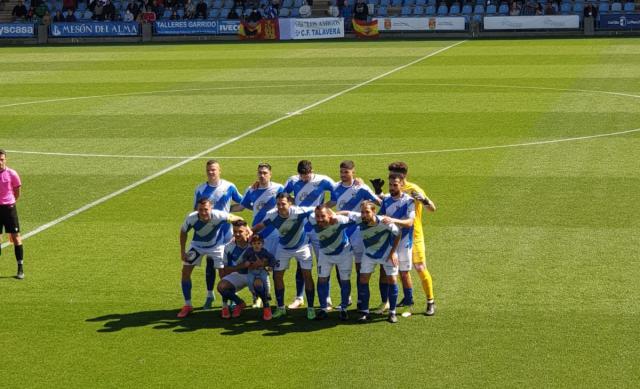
(9, 219)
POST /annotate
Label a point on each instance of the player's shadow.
(250, 321)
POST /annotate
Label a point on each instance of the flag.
(248, 30)
(364, 29)
(270, 29)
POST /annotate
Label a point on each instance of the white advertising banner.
(316, 28)
(531, 22)
(453, 23)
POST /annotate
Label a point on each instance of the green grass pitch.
(534, 248)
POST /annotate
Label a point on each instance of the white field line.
(269, 157)
(225, 143)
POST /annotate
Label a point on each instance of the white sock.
(209, 293)
(187, 302)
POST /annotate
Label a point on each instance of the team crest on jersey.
(260, 205)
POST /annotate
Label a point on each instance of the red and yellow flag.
(365, 29)
(249, 30)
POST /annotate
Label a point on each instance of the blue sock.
(280, 297)
(408, 296)
(345, 292)
(384, 292)
(311, 295)
(186, 290)
(299, 283)
(230, 294)
(393, 297)
(323, 293)
(363, 294)
(210, 274)
(262, 293)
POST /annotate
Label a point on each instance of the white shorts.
(216, 253)
(405, 256)
(239, 281)
(271, 242)
(302, 255)
(343, 262)
(369, 264)
(357, 245)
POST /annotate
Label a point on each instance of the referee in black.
(9, 193)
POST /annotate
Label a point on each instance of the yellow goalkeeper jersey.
(408, 188)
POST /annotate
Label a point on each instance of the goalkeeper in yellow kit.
(418, 254)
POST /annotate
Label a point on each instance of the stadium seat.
(228, 4)
(409, 3)
(284, 12)
(217, 4)
(213, 13)
(431, 2)
(616, 7)
(405, 11)
(467, 9)
(503, 9)
(396, 3)
(78, 14)
(180, 13)
(603, 8)
(298, 3)
(443, 10)
(166, 14)
(491, 9)
(430, 10)
(295, 12)
(629, 6)
(382, 11)
(421, 2)
(455, 9)
(384, 3)
(418, 10)
(565, 8)
(82, 6)
(478, 9)
(578, 8)
(480, 2)
(287, 3)
(223, 13)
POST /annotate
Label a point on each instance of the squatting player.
(206, 224)
(220, 192)
(235, 276)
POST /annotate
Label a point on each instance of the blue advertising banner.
(186, 27)
(619, 21)
(17, 30)
(228, 27)
(95, 29)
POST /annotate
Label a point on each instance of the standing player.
(220, 192)
(348, 195)
(10, 185)
(334, 250)
(308, 190)
(399, 208)
(418, 252)
(290, 220)
(261, 198)
(207, 241)
(235, 278)
(380, 243)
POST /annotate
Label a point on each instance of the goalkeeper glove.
(377, 183)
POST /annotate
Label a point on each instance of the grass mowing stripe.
(229, 141)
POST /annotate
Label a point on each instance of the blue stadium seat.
(213, 13)
(491, 9)
(284, 12)
(603, 8)
(480, 2)
(287, 3)
(396, 3)
(418, 10)
(421, 2)
(166, 14)
(443, 10)
(409, 3)
(228, 4)
(384, 3)
(629, 6)
(298, 3)
(430, 10)
(405, 11)
(78, 14)
(295, 12)
(82, 6)
(478, 9)
(217, 4)
(616, 7)
(431, 2)
(455, 9)
(382, 11)
(578, 8)
(565, 8)
(180, 13)
(503, 9)
(467, 9)
(224, 12)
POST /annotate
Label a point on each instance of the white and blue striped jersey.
(333, 238)
(378, 239)
(401, 208)
(349, 198)
(233, 253)
(209, 234)
(220, 196)
(309, 194)
(261, 201)
(291, 229)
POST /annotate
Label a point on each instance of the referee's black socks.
(19, 253)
